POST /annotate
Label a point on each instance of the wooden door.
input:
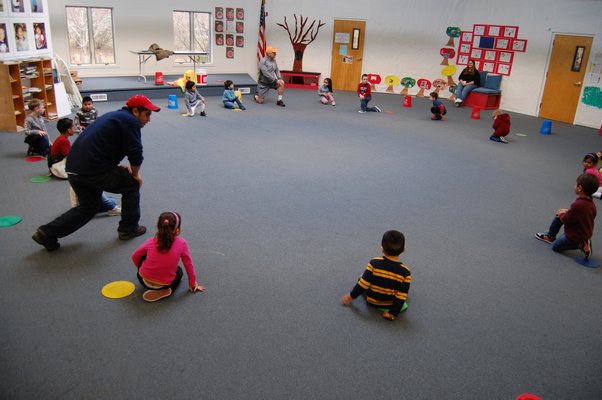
(347, 54)
(563, 80)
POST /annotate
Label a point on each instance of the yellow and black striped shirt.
(386, 282)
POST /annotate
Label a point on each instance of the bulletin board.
(229, 29)
(24, 29)
(492, 47)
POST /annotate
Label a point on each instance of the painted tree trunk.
(299, 49)
(450, 42)
(450, 81)
(444, 62)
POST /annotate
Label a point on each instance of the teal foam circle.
(9, 220)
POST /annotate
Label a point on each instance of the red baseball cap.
(141, 101)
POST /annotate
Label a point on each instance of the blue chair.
(488, 95)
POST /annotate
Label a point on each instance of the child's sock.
(279, 97)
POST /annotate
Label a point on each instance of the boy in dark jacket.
(578, 220)
(501, 126)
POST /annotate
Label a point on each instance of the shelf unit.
(13, 102)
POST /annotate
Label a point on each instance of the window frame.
(191, 14)
(91, 39)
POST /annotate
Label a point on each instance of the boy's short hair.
(394, 243)
(34, 103)
(190, 85)
(589, 183)
(364, 76)
(227, 83)
(434, 95)
(87, 98)
(64, 124)
(497, 112)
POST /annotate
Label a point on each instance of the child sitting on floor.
(193, 98)
(386, 280)
(86, 115)
(438, 108)
(325, 92)
(501, 126)
(578, 220)
(157, 260)
(230, 98)
(35, 129)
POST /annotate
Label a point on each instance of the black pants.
(174, 284)
(89, 193)
(437, 112)
(39, 144)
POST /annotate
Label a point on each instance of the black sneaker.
(141, 230)
(40, 238)
(544, 237)
(586, 248)
(203, 114)
(280, 103)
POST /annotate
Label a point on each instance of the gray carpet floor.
(283, 208)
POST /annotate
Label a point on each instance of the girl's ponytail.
(168, 224)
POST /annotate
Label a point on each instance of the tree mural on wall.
(449, 71)
(447, 53)
(452, 32)
(391, 81)
(423, 84)
(439, 84)
(407, 83)
(300, 39)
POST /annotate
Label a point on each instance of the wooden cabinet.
(20, 82)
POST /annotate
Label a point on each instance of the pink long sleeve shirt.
(161, 267)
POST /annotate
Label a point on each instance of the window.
(192, 32)
(90, 31)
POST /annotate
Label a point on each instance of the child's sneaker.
(544, 237)
(503, 139)
(361, 111)
(280, 103)
(495, 139)
(586, 248)
(203, 114)
(155, 295)
(115, 212)
(378, 109)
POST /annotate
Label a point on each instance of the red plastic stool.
(476, 113)
(159, 80)
(407, 101)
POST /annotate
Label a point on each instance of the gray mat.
(282, 209)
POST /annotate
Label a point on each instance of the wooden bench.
(301, 80)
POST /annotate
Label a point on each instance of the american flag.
(261, 40)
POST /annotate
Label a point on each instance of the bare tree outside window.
(90, 32)
(192, 32)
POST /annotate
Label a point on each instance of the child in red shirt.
(501, 126)
(365, 94)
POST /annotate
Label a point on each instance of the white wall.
(402, 37)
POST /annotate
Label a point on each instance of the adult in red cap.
(269, 77)
(93, 166)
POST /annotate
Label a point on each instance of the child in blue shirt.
(438, 109)
(230, 98)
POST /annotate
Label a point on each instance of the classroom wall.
(402, 37)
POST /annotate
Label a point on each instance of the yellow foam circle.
(118, 289)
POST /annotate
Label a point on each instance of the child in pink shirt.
(157, 260)
(590, 166)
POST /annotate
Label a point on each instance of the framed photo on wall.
(519, 45)
(3, 7)
(219, 13)
(488, 66)
(229, 52)
(502, 43)
(240, 14)
(505, 56)
(494, 30)
(462, 59)
(490, 55)
(229, 40)
(37, 6)
(476, 54)
(479, 30)
(219, 39)
(40, 39)
(22, 38)
(229, 14)
(503, 69)
(6, 45)
(464, 48)
(240, 27)
(466, 37)
(17, 8)
(510, 31)
(240, 41)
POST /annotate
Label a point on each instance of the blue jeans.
(462, 91)
(107, 203)
(364, 105)
(230, 104)
(561, 243)
(89, 193)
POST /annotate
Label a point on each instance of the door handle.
(359, 59)
(577, 84)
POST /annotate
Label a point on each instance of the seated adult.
(269, 77)
(469, 79)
